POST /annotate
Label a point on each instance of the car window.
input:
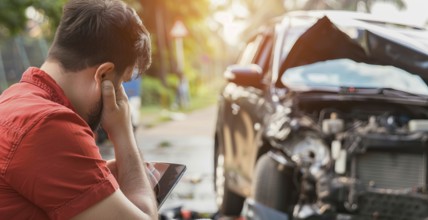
(287, 33)
(264, 53)
(258, 51)
(250, 51)
(290, 38)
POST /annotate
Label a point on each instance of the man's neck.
(55, 70)
(67, 81)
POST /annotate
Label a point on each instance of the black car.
(325, 116)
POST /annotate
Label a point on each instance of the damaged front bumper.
(373, 205)
(253, 210)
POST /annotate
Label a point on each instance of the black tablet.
(169, 175)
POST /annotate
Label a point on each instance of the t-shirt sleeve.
(57, 166)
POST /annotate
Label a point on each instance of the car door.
(243, 107)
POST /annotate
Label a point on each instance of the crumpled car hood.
(376, 45)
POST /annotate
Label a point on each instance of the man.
(50, 166)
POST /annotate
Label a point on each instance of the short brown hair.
(95, 31)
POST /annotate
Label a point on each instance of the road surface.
(187, 140)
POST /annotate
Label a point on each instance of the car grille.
(381, 206)
(386, 170)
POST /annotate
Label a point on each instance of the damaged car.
(325, 116)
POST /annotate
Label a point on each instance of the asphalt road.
(187, 140)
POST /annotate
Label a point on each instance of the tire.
(273, 185)
(229, 203)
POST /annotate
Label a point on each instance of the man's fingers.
(121, 94)
(108, 93)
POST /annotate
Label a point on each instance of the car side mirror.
(245, 75)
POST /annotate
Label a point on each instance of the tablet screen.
(169, 175)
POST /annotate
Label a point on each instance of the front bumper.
(374, 205)
(253, 210)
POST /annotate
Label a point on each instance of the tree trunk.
(161, 34)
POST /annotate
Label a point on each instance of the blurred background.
(193, 41)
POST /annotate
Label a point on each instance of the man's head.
(103, 36)
(92, 32)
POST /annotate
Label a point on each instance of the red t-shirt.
(50, 166)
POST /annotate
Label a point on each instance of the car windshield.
(339, 73)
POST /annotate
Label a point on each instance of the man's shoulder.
(20, 111)
(29, 105)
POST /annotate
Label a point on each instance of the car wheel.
(229, 203)
(273, 185)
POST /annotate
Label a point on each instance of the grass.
(207, 95)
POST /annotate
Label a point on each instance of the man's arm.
(135, 199)
(116, 206)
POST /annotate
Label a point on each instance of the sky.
(416, 11)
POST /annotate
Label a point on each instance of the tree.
(13, 18)
(199, 46)
(159, 17)
(16, 51)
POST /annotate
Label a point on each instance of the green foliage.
(172, 81)
(159, 18)
(13, 19)
(154, 114)
(12, 16)
(154, 93)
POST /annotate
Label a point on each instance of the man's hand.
(116, 116)
(152, 173)
(128, 169)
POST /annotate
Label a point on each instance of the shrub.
(154, 93)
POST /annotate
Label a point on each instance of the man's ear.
(104, 71)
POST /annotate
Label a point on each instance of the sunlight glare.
(414, 13)
(232, 20)
(218, 2)
(240, 11)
